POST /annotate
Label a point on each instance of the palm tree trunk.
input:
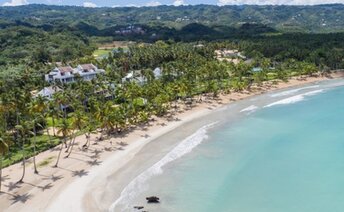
(49, 137)
(0, 171)
(65, 141)
(53, 120)
(71, 141)
(58, 158)
(72, 145)
(85, 145)
(34, 150)
(88, 140)
(23, 175)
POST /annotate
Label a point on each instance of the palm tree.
(4, 144)
(78, 122)
(21, 134)
(65, 130)
(53, 113)
(63, 100)
(90, 129)
(40, 106)
(33, 125)
(103, 115)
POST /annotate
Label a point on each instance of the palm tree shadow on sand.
(94, 162)
(80, 173)
(20, 198)
(53, 178)
(12, 186)
(4, 178)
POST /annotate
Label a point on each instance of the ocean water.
(286, 153)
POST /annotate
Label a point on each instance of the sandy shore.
(76, 185)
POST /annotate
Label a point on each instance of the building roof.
(48, 91)
(88, 67)
(257, 69)
(65, 69)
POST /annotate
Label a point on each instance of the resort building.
(157, 73)
(135, 76)
(139, 78)
(230, 55)
(68, 74)
(48, 92)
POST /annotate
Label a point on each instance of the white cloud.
(178, 3)
(153, 4)
(277, 2)
(16, 3)
(89, 4)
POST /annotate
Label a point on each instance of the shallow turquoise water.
(279, 159)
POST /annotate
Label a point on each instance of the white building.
(68, 74)
(137, 76)
(157, 73)
(48, 92)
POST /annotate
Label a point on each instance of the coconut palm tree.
(54, 113)
(33, 125)
(90, 129)
(4, 144)
(22, 132)
(65, 131)
(78, 123)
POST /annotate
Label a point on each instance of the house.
(67, 74)
(137, 76)
(229, 53)
(257, 69)
(48, 92)
(199, 46)
(157, 73)
(88, 71)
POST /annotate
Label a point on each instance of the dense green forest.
(318, 18)
(36, 35)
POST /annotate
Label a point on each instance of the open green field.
(101, 53)
(43, 142)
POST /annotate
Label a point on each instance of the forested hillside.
(36, 35)
(319, 18)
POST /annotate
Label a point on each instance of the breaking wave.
(138, 184)
(289, 92)
(249, 109)
(295, 99)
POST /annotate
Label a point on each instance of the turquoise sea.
(285, 153)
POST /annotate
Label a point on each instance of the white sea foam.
(289, 92)
(295, 99)
(249, 109)
(138, 184)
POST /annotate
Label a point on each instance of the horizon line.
(171, 5)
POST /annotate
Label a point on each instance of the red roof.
(88, 67)
(65, 69)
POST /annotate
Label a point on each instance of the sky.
(140, 3)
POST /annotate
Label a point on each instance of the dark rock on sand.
(153, 199)
(138, 207)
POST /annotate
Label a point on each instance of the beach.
(81, 183)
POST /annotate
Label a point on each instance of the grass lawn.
(42, 144)
(100, 53)
(57, 122)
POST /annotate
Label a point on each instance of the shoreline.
(78, 184)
